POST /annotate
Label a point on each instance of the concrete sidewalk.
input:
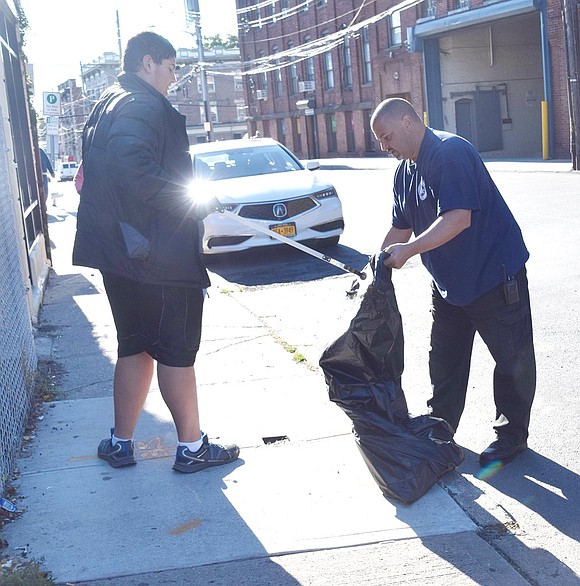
(301, 511)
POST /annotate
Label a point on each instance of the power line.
(319, 46)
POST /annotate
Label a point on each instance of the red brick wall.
(395, 70)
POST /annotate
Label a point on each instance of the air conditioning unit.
(262, 94)
(306, 86)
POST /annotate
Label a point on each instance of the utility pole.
(193, 14)
(119, 43)
(570, 18)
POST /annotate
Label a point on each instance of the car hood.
(262, 188)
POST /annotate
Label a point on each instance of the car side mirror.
(312, 165)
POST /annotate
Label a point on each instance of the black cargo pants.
(506, 329)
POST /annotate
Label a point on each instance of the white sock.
(193, 446)
(114, 440)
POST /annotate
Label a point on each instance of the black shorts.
(162, 320)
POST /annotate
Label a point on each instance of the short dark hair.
(146, 43)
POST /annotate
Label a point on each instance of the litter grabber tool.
(298, 245)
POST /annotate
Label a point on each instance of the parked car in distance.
(67, 170)
(261, 180)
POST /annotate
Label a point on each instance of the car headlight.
(330, 192)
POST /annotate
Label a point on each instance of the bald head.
(394, 108)
(398, 128)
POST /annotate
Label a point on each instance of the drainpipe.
(546, 72)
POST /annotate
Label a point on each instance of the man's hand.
(397, 255)
(202, 209)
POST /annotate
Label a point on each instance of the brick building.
(315, 70)
(225, 96)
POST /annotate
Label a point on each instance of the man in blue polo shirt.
(448, 210)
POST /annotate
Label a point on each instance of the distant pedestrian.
(47, 171)
(138, 224)
(473, 248)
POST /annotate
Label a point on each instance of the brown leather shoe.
(501, 451)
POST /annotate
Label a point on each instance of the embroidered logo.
(421, 190)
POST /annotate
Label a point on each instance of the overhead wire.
(315, 26)
(318, 46)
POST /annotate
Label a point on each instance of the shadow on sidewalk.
(88, 521)
(281, 264)
(533, 481)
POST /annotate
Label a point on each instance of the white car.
(261, 180)
(68, 170)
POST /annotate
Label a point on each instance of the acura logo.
(279, 210)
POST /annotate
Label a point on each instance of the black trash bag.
(362, 368)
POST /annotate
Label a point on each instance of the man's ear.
(146, 63)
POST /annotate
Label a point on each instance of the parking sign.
(51, 103)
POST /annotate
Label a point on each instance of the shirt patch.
(422, 190)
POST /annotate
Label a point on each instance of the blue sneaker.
(208, 455)
(118, 455)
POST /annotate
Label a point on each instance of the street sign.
(52, 125)
(51, 103)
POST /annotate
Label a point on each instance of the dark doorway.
(464, 119)
(479, 120)
(488, 120)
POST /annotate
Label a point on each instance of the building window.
(262, 78)
(328, 67)
(238, 83)
(395, 29)
(296, 134)
(331, 132)
(270, 14)
(458, 4)
(347, 63)
(369, 136)
(277, 75)
(366, 55)
(306, 5)
(429, 8)
(350, 138)
(293, 74)
(213, 110)
(210, 82)
(321, 3)
(285, 5)
(281, 124)
(309, 63)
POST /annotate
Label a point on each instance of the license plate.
(288, 229)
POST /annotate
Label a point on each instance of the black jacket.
(137, 171)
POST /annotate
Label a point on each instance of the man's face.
(393, 134)
(161, 75)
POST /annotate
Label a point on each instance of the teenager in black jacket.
(138, 224)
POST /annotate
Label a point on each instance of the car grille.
(265, 211)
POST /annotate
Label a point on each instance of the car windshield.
(244, 162)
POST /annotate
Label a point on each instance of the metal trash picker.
(259, 228)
